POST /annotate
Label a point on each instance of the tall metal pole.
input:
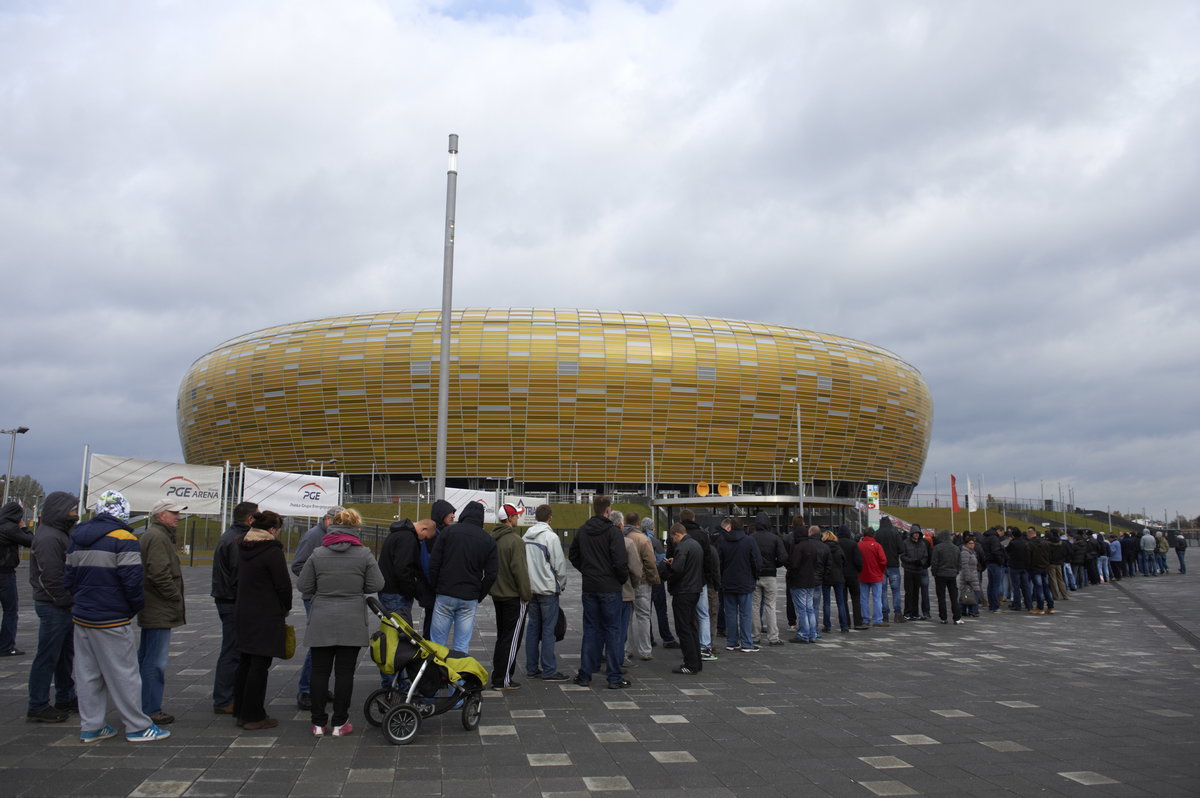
(443, 418)
(799, 462)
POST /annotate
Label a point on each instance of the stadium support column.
(443, 416)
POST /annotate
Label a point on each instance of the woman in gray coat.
(336, 577)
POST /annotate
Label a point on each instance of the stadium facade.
(556, 400)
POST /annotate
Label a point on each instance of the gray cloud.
(1001, 195)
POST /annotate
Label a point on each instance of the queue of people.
(91, 581)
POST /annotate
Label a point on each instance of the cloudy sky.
(1003, 194)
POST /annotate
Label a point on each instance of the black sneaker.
(46, 714)
(162, 718)
(510, 686)
(621, 685)
(15, 652)
(304, 701)
(707, 655)
(671, 644)
(556, 677)
(68, 707)
(579, 680)
(749, 649)
(684, 671)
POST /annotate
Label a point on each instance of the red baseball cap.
(507, 511)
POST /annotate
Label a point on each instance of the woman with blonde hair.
(336, 577)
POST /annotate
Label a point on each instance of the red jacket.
(874, 561)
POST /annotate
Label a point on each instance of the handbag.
(560, 626)
(289, 641)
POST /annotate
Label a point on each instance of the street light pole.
(12, 447)
(443, 417)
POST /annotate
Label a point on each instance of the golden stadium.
(554, 399)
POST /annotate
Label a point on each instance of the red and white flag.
(953, 494)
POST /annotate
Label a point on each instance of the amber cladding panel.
(545, 389)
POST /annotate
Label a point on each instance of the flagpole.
(981, 490)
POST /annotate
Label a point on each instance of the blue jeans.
(995, 585)
(1041, 589)
(540, 616)
(871, 594)
(892, 580)
(702, 619)
(739, 617)
(1105, 570)
(1069, 576)
(153, 649)
(1022, 594)
(601, 630)
(839, 595)
(1179, 553)
(391, 602)
(55, 654)
(8, 599)
(460, 613)
(806, 612)
(225, 674)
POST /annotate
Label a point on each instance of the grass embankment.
(940, 518)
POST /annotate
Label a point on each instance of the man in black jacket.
(52, 601)
(774, 555)
(1018, 572)
(13, 535)
(598, 553)
(462, 567)
(807, 564)
(404, 561)
(996, 560)
(741, 565)
(851, 567)
(705, 613)
(685, 580)
(888, 537)
(224, 593)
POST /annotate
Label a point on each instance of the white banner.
(145, 482)
(291, 494)
(461, 497)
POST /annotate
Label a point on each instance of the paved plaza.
(1100, 699)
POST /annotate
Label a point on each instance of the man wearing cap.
(104, 575)
(164, 609)
(163, 587)
(510, 596)
(309, 542)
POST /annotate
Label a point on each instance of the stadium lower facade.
(561, 401)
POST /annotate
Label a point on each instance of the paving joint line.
(1192, 639)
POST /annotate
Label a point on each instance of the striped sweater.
(104, 573)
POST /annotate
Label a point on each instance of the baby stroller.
(427, 679)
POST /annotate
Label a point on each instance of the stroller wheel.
(378, 703)
(472, 710)
(401, 724)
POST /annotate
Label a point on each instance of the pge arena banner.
(145, 482)
(291, 494)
